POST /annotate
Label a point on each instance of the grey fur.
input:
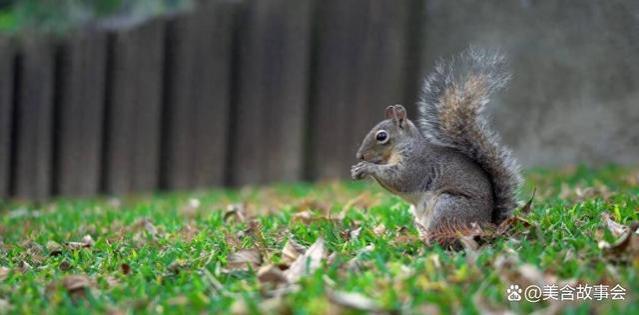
(474, 137)
(451, 167)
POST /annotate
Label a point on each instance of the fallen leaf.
(76, 245)
(125, 268)
(525, 210)
(305, 217)
(354, 234)
(308, 262)
(75, 285)
(237, 210)
(271, 274)
(148, 227)
(353, 300)
(54, 248)
(380, 229)
(24, 266)
(291, 251)
(615, 228)
(245, 259)
(526, 275)
(65, 266)
(580, 193)
(4, 273)
(88, 240)
(625, 248)
(188, 232)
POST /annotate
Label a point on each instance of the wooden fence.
(233, 93)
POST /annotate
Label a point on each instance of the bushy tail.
(451, 105)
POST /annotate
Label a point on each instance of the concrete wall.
(574, 97)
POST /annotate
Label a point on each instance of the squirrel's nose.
(359, 156)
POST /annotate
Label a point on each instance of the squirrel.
(450, 166)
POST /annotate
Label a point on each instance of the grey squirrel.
(450, 167)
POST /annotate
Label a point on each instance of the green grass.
(177, 251)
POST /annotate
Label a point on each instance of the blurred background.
(124, 96)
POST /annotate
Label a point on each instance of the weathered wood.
(134, 109)
(272, 94)
(198, 96)
(359, 71)
(381, 76)
(81, 104)
(339, 47)
(7, 59)
(35, 120)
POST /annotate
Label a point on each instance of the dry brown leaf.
(580, 193)
(380, 229)
(65, 266)
(615, 228)
(188, 232)
(625, 248)
(354, 234)
(311, 259)
(125, 268)
(236, 210)
(291, 251)
(271, 274)
(88, 240)
(54, 248)
(148, 226)
(305, 217)
(525, 210)
(4, 273)
(24, 266)
(245, 259)
(526, 274)
(75, 285)
(353, 300)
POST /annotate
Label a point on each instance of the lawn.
(316, 249)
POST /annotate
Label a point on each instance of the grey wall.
(574, 97)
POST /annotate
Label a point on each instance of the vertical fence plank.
(339, 46)
(381, 76)
(359, 70)
(7, 58)
(198, 91)
(81, 100)
(134, 109)
(35, 120)
(272, 95)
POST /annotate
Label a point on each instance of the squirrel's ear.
(388, 112)
(399, 115)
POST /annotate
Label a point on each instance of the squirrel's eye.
(381, 136)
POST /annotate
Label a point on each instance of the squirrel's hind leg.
(453, 210)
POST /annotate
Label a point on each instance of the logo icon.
(513, 293)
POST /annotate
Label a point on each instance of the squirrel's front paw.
(360, 170)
